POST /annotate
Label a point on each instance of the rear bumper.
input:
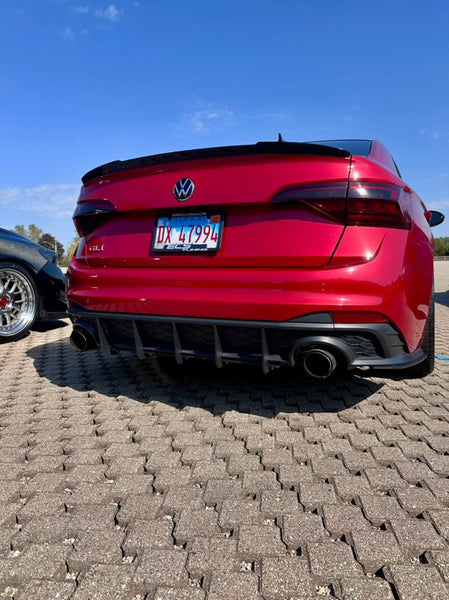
(268, 343)
(275, 295)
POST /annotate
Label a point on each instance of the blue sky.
(87, 82)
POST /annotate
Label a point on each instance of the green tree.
(21, 229)
(71, 249)
(33, 232)
(49, 241)
(73, 246)
(442, 246)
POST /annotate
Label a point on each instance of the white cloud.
(67, 33)
(56, 200)
(81, 10)
(110, 13)
(433, 134)
(206, 119)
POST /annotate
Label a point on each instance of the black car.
(32, 286)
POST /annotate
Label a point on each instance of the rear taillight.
(88, 214)
(378, 205)
(329, 199)
(361, 203)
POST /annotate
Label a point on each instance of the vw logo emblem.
(183, 189)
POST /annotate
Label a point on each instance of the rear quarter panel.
(409, 253)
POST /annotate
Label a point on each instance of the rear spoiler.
(287, 148)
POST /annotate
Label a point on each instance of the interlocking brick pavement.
(130, 480)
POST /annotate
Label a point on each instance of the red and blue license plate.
(188, 232)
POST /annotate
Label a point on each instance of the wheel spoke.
(19, 302)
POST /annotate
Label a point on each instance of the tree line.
(35, 233)
(442, 246)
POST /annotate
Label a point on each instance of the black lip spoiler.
(286, 148)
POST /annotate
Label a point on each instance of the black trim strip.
(104, 344)
(177, 344)
(281, 148)
(217, 348)
(265, 351)
(138, 342)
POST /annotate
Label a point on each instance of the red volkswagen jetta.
(315, 255)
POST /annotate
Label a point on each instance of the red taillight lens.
(328, 199)
(362, 203)
(378, 205)
(88, 214)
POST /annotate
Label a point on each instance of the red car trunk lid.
(257, 232)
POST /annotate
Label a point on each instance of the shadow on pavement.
(442, 298)
(197, 383)
(44, 325)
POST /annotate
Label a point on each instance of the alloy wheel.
(18, 302)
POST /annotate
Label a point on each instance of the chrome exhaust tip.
(318, 363)
(82, 339)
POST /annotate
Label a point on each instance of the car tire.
(427, 365)
(18, 302)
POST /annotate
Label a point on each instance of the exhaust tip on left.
(82, 340)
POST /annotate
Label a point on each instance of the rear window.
(359, 147)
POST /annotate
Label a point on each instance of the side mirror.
(434, 217)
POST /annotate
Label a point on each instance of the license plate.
(188, 232)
